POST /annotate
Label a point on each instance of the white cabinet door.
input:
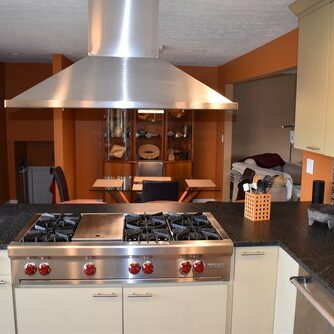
(4, 263)
(329, 133)
(312, 77)
(7, 323)
(73, 310)
(181, 308)
(286, 294)
(254, 290)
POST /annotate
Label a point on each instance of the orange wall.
(207, 75)
(323, 170)
(89, 151)
(273, 57)
(4, 190)
(64, 134)
(25, 124)
(208, 129)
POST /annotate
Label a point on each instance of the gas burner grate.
(53, 228)
(169, 227)
(146, 228)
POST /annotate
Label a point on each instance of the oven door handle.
(105, 295)
(302, 284)
(140, 295)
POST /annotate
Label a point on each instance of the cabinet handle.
(301, 282)
(140, 295)
(313, 148)
(2, 282)
(257, 253)
(105, 295)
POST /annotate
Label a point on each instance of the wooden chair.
(64, 197)
(160, 191)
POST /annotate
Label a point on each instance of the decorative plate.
(148, 151)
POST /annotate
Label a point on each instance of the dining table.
(118, 187)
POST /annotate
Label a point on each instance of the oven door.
(314, 307)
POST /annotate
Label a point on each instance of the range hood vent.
(122, 69)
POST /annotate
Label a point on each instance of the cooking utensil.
(247, 177)
(268, 182)
(260, 187)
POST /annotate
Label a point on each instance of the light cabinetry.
(7, 323)
(315, 80)
(69, 310)
(184, 308)
(159, 308)
(286, 294)
(254, 290)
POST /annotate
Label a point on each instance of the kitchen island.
(267, 254)
(312, 247)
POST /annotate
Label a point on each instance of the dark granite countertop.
(312, 247)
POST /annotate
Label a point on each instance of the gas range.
(70, 248)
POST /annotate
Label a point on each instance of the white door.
(7, 323)
(254, 290)
(181, 308)
(329, 133)
(286, 294)
(312, 83)
(72, 310)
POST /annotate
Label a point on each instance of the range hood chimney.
(122, 69)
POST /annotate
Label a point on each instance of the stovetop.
(169, 227)
(132, 247)
(53, 228)
(132, 228)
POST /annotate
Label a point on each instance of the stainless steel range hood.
(123, 69)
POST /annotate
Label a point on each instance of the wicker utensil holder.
(257, 206)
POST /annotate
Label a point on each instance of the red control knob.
(89, 268)
(148, 267)
(44, 269)
(198, 266)
(185, 267)
(134, 268)
(30, 269)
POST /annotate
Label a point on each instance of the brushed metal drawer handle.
(252, 253)
(105, 295)
(313, 148)
(3, 282)
(140, 295)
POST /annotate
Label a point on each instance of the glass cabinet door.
(179, 135)
(118, 134)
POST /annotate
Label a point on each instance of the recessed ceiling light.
(15, 54)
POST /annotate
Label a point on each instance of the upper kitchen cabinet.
(329, 133)
(315, 77)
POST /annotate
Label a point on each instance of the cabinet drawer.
(7, 323)
(188, 308)
(4, 263)
(254, 290)
(70, 309)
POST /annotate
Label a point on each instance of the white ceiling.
(194, 32)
